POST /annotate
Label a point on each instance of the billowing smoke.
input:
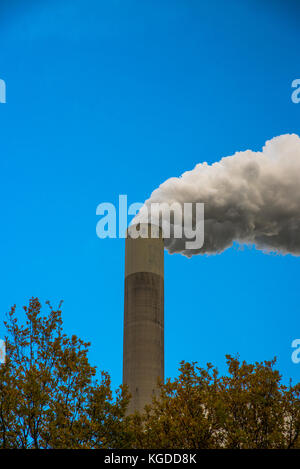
(250, 198)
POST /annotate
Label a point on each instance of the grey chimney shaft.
(143, 348)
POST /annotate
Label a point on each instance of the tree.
(248, 408)
(49, 396)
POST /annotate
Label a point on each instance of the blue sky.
(108, 98)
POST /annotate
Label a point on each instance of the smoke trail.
(250, 198)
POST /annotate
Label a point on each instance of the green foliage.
(249, 408)
(50, 398)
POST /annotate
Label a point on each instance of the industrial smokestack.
(143, 354)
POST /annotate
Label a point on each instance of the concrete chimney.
(143, 348)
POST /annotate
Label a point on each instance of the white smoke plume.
(250, 198)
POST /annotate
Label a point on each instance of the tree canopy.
(51, 397)
(247, 408)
